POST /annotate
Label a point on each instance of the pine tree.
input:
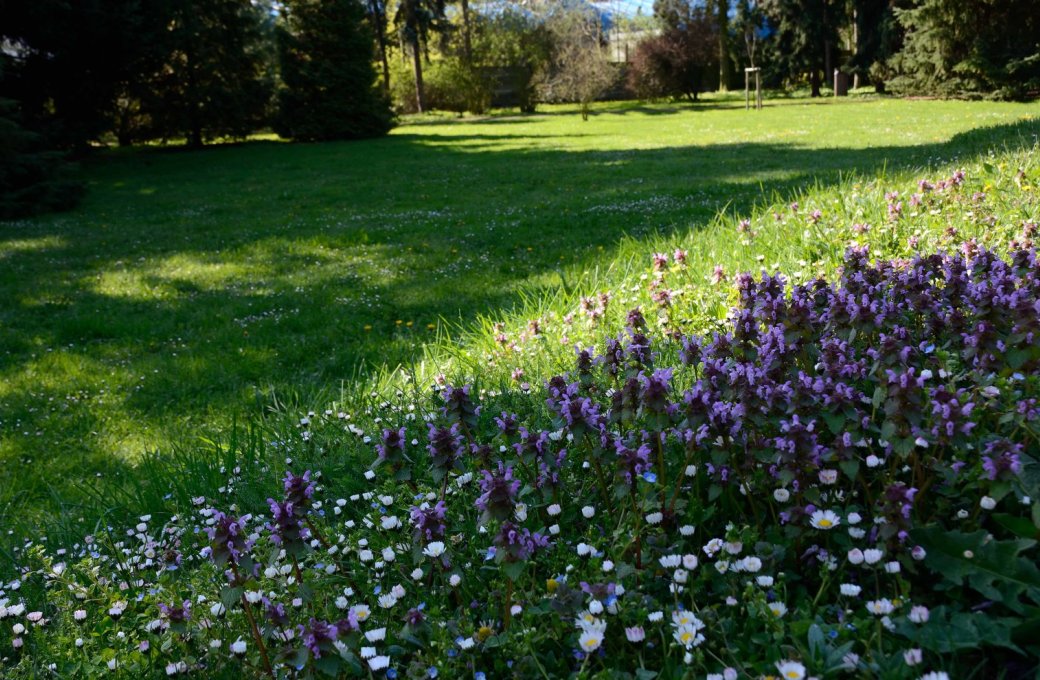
(215, 80)
(806, 37)
(969, 46)
(877, 38)
(325, 51)
(30, 177)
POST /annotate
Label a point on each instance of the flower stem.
(252, 625)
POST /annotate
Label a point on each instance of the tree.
(377, 15)
(215, 79)
(67, 62)
(415, 20)
(722, 35)
(578, 70)
(806, 36)
(31, 177)
(329, 85)
(515, 43)
(678, 62)
(969, 46)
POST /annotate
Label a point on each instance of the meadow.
(198, 289)
(676, 393)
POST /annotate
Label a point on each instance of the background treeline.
(74, 73)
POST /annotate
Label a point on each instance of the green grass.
(196, 289)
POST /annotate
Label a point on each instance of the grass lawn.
(192, 289)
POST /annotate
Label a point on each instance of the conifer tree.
(969, 46)
(329, 90)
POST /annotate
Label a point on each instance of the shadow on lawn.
(184, 293)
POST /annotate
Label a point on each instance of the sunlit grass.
(193, 289)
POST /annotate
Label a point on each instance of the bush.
(450, 85)
(842, 479)
(680, 62)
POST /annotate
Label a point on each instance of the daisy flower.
(824, 519)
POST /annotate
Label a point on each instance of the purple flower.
(428, 523)
(1002, 460)
(228, 537)
(318, 636)
(176, 613)
(498, 493)
(286, 527)
(299, 490)
(391, 445)
(514, 544)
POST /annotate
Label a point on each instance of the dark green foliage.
(878, 37)
(214, 81)
(325, 51)
(68, 60)
(805, 40)
(30, 177)
(956, 47)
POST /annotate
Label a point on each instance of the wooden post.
(747, 88)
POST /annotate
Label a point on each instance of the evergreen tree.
(215, 80)
(66, 61)
(329, 90)
(805, 37)
(30, 177)
(969, 46)
(877, 36)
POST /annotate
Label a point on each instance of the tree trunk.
(855, 45)
(814, 80)
(828, 62)
(420, 94)
(466, 45)
(725, 68)
(380, 26)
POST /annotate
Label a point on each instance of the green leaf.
(850, 468)
(946, 633)
(513, 569)
(230, 596)
(1020, 526)
(817, 643)
(835, 422)
(996, 569)
(328, 664)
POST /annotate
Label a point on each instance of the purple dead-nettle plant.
(1002, 460)
(286, 528)
(299, 490)
(392, 446)
(459, 408)
(230, 542)
(497, 499)
(446, 447)
(428, 522)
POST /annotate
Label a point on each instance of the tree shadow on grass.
(191, 286)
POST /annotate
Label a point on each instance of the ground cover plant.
(194, 289)
(824, 469)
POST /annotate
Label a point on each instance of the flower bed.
(842, 483)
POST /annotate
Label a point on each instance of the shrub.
(843, 479)
(678, 63)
